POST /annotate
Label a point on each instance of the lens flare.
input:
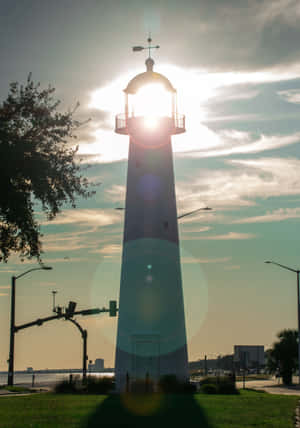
(151, 122)
(152, 101)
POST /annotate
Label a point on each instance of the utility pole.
(84, 348)
(10, 377)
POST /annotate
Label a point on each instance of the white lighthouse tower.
(151, 338)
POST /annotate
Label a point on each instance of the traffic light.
(71, 309)
(112, 308)
(90, 311)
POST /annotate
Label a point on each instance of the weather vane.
(149, 47)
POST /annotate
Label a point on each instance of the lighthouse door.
(145, 356)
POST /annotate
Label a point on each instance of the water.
(44, 379)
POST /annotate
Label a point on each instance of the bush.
(223, 385)
(92, 385)
(209, 388)
(141, 386)
(98, 385)
(227, 388)
(169, 384)
(65, 387)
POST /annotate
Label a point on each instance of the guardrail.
(121, 123)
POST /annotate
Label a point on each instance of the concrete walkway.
(271, 386)
(36, 390)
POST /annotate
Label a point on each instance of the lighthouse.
(151, 336)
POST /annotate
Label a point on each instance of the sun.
(194, 88)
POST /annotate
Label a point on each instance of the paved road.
(271, 386)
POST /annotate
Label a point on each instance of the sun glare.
(151, 122)
(152, 101)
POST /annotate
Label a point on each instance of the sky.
(236, 68)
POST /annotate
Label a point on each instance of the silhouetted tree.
(283, 355)
(37, 166)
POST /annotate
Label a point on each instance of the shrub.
(65, 387)
(141, 386)
(224, 384)
(227, 388)
(169, 384)
(209, 388)
(92, 385)
(98, 385)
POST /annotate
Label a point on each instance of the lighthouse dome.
(149, 77)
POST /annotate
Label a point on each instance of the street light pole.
(180, 216)
(297, 271)
(10, 377)
(84, 350)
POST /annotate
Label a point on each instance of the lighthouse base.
(147, 365)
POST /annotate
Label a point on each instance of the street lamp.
(10, 378)
(180, 216)
(194, 211)
(298, 306)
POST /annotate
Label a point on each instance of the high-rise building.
(98, 365)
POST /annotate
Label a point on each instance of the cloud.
(196, 88)
(228, 236)
(242, 36)
(280, 214)
(238, 142)
(4, 287)
(290, 95)
(192, 260)
(238, 186)
(197, 229)
(232, 267)
(109, 251)
(87, 238)
(48, 284)
(93, 217)
(116, 193)
(63, 260)
(3, 294)
(277, 176)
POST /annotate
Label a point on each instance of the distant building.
(249, 355)
(223, 362)
(29, 369)
(98, 366)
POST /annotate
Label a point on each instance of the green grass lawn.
(249, 409)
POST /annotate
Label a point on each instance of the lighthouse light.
(152, 102)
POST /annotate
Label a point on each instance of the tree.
(283, 355)
(37, 166)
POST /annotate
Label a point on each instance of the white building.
(151, 338)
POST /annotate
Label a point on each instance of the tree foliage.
(283, 355)
(37, 166)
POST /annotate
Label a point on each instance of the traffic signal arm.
(91, 311)
(69, 314)
(38, 322)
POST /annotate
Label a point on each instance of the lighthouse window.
(166, 224)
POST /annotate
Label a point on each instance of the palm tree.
(284, 355)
